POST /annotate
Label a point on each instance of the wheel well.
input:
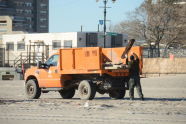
(31, 77)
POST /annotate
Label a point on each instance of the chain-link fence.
(164, 53)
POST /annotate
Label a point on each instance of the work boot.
(142, 99)
(131, 99)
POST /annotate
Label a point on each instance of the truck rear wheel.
(67, 94)
(87, 90)
(117, 94)
(32, 89)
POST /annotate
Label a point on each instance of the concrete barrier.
(159, 66)
(8, 73)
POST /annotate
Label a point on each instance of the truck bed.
(92, 60)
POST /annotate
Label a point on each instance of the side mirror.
(39, 64)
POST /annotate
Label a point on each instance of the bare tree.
(156, 23)
(164, 22)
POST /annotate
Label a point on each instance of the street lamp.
(105, 18)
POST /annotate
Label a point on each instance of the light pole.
(105, 18)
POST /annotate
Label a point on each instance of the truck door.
(50, 76)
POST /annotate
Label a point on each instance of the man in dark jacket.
(134, 74)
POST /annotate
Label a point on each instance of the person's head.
(131, 57)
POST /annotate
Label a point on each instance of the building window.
(28, 11)
(19, 11)
(29, 19)
(43, 5)
(28, 4)
(3, 30)
(1, 24)
(19, 18)
(3, 21)
(116, 41)
(67, 43)
(19, 3)
(43, 26)
(9, 46)
(56, 44)
(91, 39)
(20, 46)
(43, 12)
(30, 26)
(42, 19)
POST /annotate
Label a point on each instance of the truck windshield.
(53, 60)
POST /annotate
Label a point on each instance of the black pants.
(135, 82)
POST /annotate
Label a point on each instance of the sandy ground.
(165, 103)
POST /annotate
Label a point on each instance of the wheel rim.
(84, 90)
(30, 90)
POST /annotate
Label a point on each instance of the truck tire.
(87, 90)
(67, 94)
(32, 89)
(117, 94)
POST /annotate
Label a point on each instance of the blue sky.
(69, 15)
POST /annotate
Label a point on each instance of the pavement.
(165, 103)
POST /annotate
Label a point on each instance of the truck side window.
(53, 60)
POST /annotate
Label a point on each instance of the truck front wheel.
(32, 89)
(117, 94)
(87, 90)
(67, 94)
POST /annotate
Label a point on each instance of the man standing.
(134, 74)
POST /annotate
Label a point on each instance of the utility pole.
(81, 28)
(105, 19)
(98, 27)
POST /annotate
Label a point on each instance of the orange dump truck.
(87, 70)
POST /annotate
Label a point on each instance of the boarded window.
(116, 41)
(9, 46)
(91, 39)
(56, 44)
(67, 43)
(21, 46)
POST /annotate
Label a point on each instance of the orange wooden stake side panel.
(87, 58)
(66, 59)
(113, 55)
(80, 59)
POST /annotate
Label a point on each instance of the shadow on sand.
(165, 99)
(11, 101)
(146, 99)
